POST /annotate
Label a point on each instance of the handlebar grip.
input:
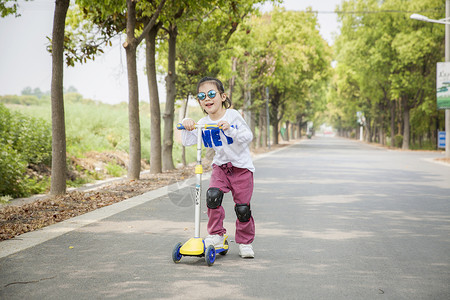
(180, 126)
(209, 126)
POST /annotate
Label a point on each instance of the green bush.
(425, 145)
(23, 141)
(27, 100)
(12, 170)
(5, 199)
(35, 186)
(90, 126)
(398, 140)
(115, 170)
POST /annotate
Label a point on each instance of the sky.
(25, 62)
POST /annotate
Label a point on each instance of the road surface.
(335, 219)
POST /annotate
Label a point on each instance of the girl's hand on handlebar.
(224, 125)
(189, 124)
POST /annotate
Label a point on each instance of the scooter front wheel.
(176, 256)
(210, 255)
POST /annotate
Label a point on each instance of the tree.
(111, 18)
(59, 168)
(220, 19)
(195, 59)
(174, 12)
(388, 59)
(134, 166)
(418, 47)
(155, 111)
(368, 53)
(283, 51)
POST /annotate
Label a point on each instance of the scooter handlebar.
(206, 126)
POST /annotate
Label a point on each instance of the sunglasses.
(202, 96)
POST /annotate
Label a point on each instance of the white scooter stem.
(198, 172)
(198, 185)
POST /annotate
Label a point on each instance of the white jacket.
(231, 145)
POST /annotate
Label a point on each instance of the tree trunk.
(383, 136)
(293, 130)
(155, 111)
(366, 130)
(59, 168)
(167, 160)
(287, 131)
(253, 129)
(259, 139)
(392, 103)
(399, 117)
(264, 127)
(185, 109)
(233, 77)
(247, 96)
(134, 165)
(299, 126)
(406, 127)
(274, 117)
(275, 131)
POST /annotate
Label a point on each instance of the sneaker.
(246, 251)
(215, 240)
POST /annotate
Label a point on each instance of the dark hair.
(219, 85)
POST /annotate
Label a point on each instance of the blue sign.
(441, 139)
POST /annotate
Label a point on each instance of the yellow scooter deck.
(196, 247)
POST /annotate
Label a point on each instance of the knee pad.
(243, 212)
(214, 198)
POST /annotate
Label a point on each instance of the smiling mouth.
(209, 104)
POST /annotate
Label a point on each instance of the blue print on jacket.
(212, 136)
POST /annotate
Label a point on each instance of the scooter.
(196, 246)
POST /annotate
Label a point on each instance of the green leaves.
(285, 51)
(9, 7)
(23, 141)
(90, 26)
(384, 56)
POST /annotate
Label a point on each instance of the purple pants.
(240, 182)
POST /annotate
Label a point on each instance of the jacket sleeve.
(239, 130)
(189, 138)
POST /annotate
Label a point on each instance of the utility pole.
(268, 116)
(447, 59)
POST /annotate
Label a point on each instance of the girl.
(232, 164)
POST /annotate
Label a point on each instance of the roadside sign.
(441, 139)
(443, 85)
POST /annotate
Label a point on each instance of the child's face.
(212, 106)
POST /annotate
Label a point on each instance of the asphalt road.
(335, 219)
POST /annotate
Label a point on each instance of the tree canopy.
(276, 67)
(386, 68)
